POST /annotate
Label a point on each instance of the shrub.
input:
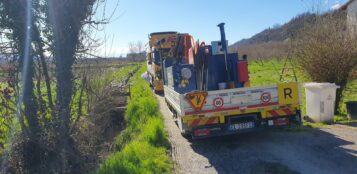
(326, 51)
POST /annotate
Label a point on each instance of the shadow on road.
(351, 124)
(311, 151)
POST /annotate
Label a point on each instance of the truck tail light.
(281, 121)
(201, 132)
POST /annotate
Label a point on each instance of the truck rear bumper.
(230, 128)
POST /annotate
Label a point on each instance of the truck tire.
(151, 82)
(184, 133)
(179, 124)
(295, 121)
(298, 118)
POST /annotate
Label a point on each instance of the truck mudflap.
(247, 123)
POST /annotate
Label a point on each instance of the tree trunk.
(39, 93)
(66, 28)
(41, 54)
(80, 102)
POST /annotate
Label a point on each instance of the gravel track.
(332, 149)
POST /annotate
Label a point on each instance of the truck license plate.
(241, 126)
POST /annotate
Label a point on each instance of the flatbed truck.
(208, 91)
(231, 111)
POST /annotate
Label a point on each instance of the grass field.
(265, 73)
(268, 73)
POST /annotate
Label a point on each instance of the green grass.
(350, 94)
(142, 147)
(137, 157)
(268, 73)
(265, 73)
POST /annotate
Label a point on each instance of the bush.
(326, 51)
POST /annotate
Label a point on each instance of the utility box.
(217, 47)
(320, 101)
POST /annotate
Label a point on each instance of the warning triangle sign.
(196, 99)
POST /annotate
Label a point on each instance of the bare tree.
(326, 52)
(140, 46)
(44, 143)
(132, 47)
(136, 47)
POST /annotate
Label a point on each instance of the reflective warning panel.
(196, 99)
(288, 93)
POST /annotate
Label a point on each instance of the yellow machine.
(160, 45)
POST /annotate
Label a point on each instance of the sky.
(133, 20)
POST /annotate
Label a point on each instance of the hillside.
(278, 34)
(273, 42)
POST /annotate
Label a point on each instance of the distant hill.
(274, 42)
(280, 33)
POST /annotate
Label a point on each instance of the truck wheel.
(174, 114)
(152, 83)
(179, 124)
(297, 119)
(184, 133)
(187, 135)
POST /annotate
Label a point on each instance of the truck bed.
(233, 99)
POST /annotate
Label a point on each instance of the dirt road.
(327, 150)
